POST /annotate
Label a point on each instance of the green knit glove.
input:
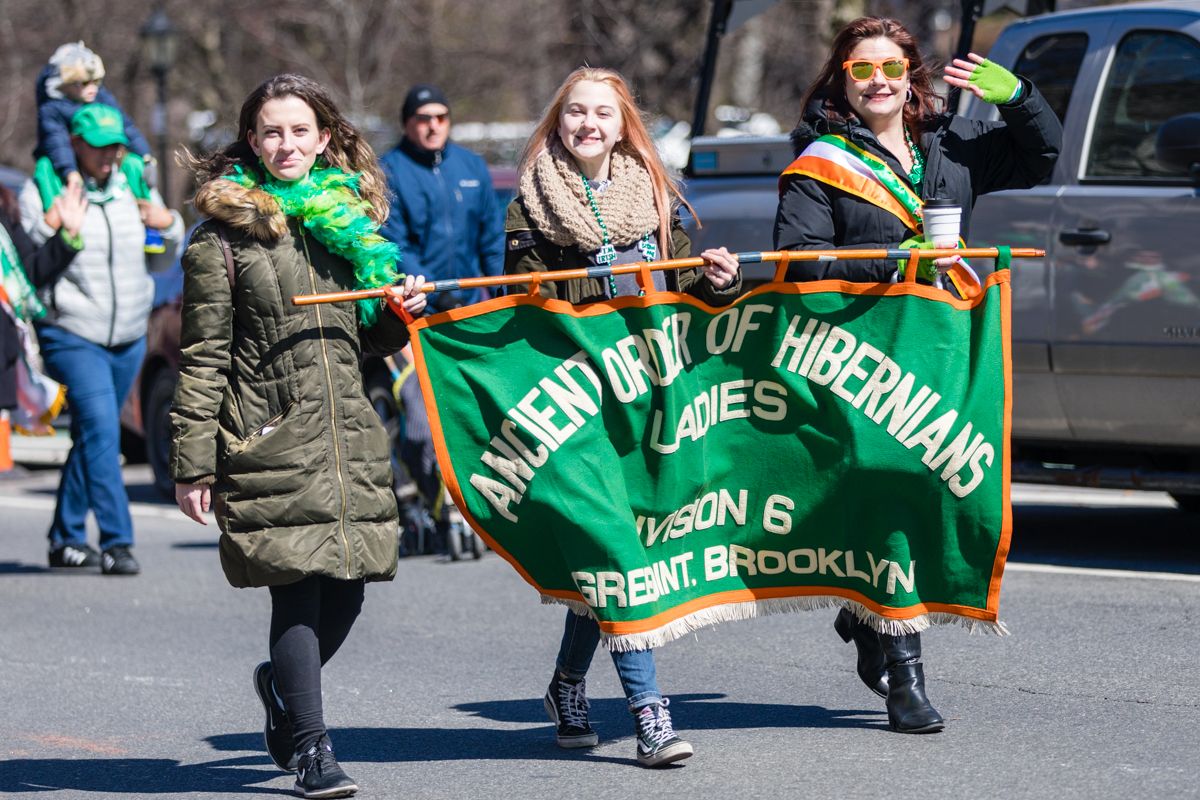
(998, 84)
(926, 271)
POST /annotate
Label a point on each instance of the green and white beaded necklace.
(917, 173)
(607, 254)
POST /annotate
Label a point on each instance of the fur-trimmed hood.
(252, 211)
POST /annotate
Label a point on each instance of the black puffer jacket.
(964, 158)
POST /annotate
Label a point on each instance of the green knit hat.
(99, 125)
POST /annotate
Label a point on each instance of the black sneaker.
(567, 706)
(657, 744)
(74, 556)
(119, 561)
(277, 731)
(318, 773)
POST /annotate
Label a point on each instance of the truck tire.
(1189, 503)
(156, 421)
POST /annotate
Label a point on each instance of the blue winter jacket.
(54, 123)
(444, 217)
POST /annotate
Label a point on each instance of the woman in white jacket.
(94, 336)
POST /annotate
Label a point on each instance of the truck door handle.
(1084, 237)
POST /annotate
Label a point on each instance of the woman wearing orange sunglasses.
(873, 146)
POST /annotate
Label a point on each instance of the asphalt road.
(140, 687)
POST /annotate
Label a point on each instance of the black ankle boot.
(870, 655)
(908, 708)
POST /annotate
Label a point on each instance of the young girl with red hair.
(593, 192)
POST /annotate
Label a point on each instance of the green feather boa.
(326, 201)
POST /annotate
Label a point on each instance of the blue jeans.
(635, 668)
(98, 379)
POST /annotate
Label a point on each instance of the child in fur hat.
(73, 78)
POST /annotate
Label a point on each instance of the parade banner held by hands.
(663, 465)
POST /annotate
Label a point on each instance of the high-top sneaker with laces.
(318, 773)
(277, 731)
(657, 744)
(74, 556)
(567, 706)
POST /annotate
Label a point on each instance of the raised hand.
(987, 80)
(71, 208)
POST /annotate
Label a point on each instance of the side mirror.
(1177, 145)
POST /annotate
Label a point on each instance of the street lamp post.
(158, 37)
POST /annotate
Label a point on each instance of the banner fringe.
(731, 612)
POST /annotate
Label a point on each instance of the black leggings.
(309, 621)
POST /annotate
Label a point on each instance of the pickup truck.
(1106, 328)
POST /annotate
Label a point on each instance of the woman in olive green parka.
(270, 421)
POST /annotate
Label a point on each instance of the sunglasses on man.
(428, 118)
(862, 69)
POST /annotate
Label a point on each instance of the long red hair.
(830, 84)
(635, 141)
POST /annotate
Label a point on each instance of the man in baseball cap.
(449, 224)
(99, 125)
(98, 139)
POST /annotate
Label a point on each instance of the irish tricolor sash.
(838, 162)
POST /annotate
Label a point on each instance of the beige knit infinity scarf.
(557, 203)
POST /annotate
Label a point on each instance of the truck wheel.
(156, 420)
(1187, 502)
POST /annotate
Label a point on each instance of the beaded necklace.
(917, 173)
(607, 254)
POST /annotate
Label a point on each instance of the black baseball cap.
(419, 95)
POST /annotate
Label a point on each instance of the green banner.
(664, 465)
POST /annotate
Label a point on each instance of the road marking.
(47, 504)
(1015, 566)
(172, 513)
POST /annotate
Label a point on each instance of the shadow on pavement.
(138, 493)
(18, 568)
(1155, 539)
(609, 716)
(147, 493)
(118, 776)
(689, 712)
(385, 745)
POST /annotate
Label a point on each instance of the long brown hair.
(347, 150)
(635, 142)
(830, 85)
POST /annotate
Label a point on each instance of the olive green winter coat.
(270, 406)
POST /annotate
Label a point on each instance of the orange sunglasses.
(862, 69)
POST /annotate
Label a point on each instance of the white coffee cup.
(942, 221)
